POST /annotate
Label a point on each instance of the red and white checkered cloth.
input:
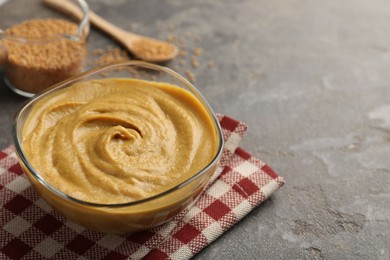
(31, 229)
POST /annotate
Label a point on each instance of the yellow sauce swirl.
(118, 140)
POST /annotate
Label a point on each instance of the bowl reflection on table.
(130, 216)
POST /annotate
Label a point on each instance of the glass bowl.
(139, 214)
(33, 63)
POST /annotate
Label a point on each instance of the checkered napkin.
(30, 229)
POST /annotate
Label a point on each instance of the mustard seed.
(198, 51)
(190, 76)
(194, 63)
(44, 57)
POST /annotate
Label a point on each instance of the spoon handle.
(69, 8)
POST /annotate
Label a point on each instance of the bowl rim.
(72, 80)
(82, 30)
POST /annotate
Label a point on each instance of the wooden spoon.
(144, 48)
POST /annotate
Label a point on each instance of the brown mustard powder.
(109, 56)
(102, 57)
(189, 58)
(148, 48)
(35, 65)
(186, 62)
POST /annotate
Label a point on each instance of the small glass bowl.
(32, 64)
(132, 216)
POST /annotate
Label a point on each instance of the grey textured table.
(312, 80)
